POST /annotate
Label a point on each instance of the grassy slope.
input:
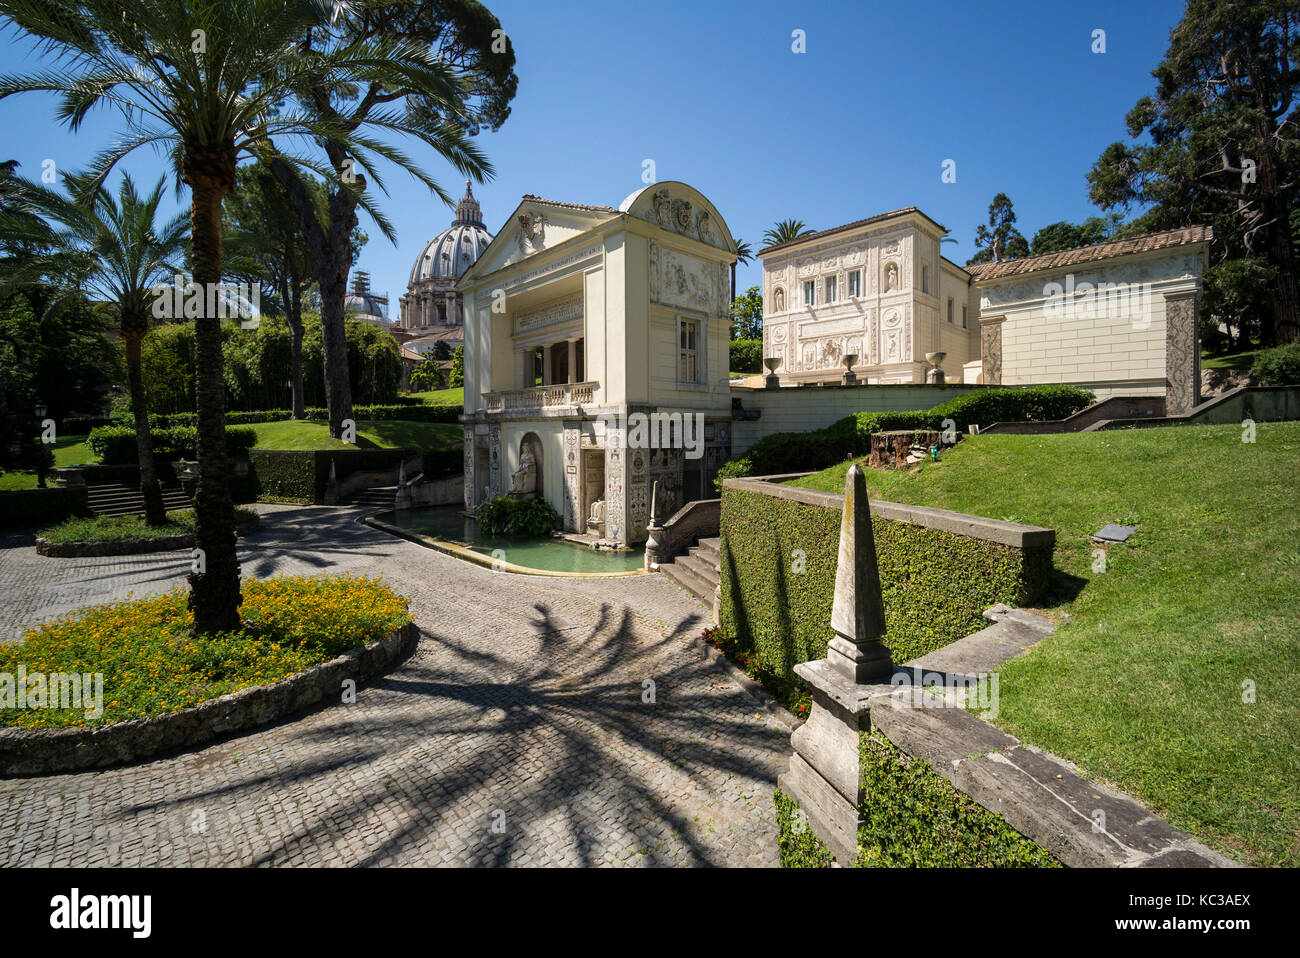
(442, 397)
(1241, 360)
(370, 434)
(68, 451)
(1143, 684)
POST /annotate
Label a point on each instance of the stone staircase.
(376, 498)
(698, 571)
(119, 499)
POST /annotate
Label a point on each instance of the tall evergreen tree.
(1224, 145)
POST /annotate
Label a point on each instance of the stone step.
(705, 569)
(692, 582)
(114, 499)
(709, 550)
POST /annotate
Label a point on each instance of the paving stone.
(522, 694)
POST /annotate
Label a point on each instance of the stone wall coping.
(52, 751)
(1040, 795)
(1012, 534)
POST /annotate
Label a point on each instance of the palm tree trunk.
(214, 586)
(333, 281)
(155, 513)
(293, 312)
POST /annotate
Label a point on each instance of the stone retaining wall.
(57, 750)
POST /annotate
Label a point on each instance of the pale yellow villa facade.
(578, 318)
(1118, 318)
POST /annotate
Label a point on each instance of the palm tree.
(743, 255)
(114, 250)
(211, 81)
(784, 231)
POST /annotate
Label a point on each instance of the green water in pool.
(543, 555)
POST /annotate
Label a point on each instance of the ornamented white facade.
(880, 290)
(579, 317)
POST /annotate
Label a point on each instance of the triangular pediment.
(535, 226)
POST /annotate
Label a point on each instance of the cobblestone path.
(516, 733)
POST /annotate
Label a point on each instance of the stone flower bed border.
(127, 547)
(51, 751)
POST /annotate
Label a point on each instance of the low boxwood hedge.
(32, 507)
(116, 445)
(912, 818)
(405, 412)
(851, 436)
(778, 580)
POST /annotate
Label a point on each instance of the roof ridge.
(1141, 243)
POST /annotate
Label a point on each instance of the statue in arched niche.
(778, 300)
(891, 276)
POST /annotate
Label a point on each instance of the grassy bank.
(372, 434)
(1172, 668)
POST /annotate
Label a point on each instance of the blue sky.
(713, 93)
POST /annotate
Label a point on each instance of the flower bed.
(151, 664)
(792, 693)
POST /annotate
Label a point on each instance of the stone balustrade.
(542, 398)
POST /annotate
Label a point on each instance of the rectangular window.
(950, 309)
(963, 317)
(832, 290)
(855, 284)
(810, 293)
(690, 331)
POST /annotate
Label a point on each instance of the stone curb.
(127, 547)
(53, 751)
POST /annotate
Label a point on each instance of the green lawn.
(1242, 360)
(370, 434)
(442, 397)
(68, 451)
(1143, 683)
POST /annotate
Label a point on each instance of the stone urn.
(773, 363)
(934, 374)
(849, 378)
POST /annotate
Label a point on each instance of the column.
(546, 365)
(521, 367)
(573, 360)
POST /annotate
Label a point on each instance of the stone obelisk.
(824, 775)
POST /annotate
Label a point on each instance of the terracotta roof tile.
(1086, 254)
(572, 206)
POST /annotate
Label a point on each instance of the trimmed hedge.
(304, 473)
(778, 580)
(441, 461)
(851, 436)
(912, 818)
(33, 507)
(116, 445)
(405, 412)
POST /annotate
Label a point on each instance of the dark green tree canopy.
(999, 239)
(1218, 144)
